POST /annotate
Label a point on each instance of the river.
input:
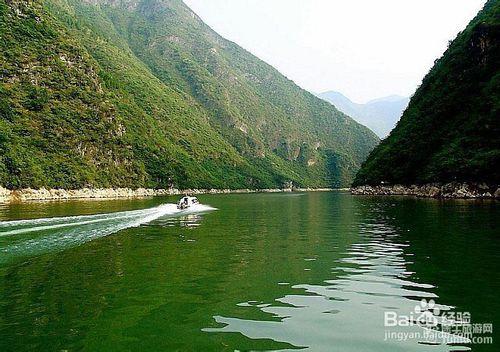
(321, 271)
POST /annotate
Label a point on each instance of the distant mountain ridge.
(380, 115)
(450, 131)
(142, 93)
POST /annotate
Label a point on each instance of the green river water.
(311, 271)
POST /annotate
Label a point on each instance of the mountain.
(451, 128)
(130, 93)
(380, 115)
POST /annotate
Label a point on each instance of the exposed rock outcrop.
(28, 194)
(433, 190)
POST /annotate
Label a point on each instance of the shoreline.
(451, 190)
(28, 194)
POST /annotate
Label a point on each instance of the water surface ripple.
(266, 272)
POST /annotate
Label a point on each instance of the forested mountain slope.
(451, 129)
(108, 93)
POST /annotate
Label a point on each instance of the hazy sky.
(363, 48)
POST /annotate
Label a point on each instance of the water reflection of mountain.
(370, 277)
(455, 245)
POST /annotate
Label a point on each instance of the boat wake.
(36, 236)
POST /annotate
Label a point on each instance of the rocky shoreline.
(28, 194)
(434, 190)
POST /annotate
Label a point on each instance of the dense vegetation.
(105, 93)
(451, 129)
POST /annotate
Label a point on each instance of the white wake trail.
(29, 237)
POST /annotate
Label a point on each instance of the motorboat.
(187, 202)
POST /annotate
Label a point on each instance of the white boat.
(187, 202)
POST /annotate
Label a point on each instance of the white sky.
(364, 49)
